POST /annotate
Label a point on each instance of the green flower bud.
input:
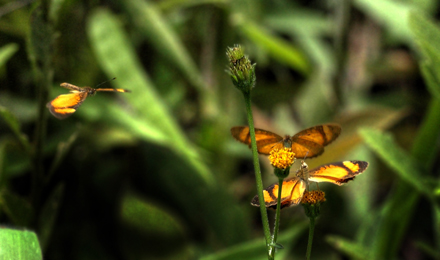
(241, 70)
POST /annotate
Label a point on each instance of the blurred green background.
(155, 174)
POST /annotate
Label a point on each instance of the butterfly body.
(65, 105)
(293, 188)
(309, 142)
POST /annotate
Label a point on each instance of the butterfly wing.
(266, 141)
(311, 141)
(291, 194)
(338, 173)
(65, 105)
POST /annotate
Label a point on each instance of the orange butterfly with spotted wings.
(309, 142)
(293, 188)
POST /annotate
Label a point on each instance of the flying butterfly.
(65, 105)
(293, 188)
(309, 142)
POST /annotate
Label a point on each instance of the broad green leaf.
(255, 249)
(146, 223)
(353, 249)
(6, 53)
(279, 48)
(14, 125)
(148, 105)
(426, 34)
(149, 218)
(19, 245)
(391, 14)
(49, 214)
(16, 208)
(154, 27)
(384, 146)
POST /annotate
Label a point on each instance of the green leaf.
(14, 125)
(255, 249)
(391, 14)
(384, 146)
(352, 249)
(49, 214)
(151, 23)
(279, 48)
(19, 245)
(149, 218)
(426, 34)
(16, 208)
(6, 53)
(148, 105)
(154, 226)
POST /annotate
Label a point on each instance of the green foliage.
(19, 245)
(426, 33)
(155, 174)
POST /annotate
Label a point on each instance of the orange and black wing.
(291, 194)
(65, 105)
(338, 172)
(266, 141)
(310, 142)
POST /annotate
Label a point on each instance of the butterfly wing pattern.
(65, 105)
(309, 142)
(293, 188)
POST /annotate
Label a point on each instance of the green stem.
(277, 219)
(258, 179)
(309, 244)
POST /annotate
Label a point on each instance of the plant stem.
(277, 218)
(258, 179)
(309, 244)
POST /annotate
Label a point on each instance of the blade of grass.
(6, 52)
(151, 23)
(117, 58)
(280, 49)
(400, 205)
(14, 125)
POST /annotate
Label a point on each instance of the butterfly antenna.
(105, 82)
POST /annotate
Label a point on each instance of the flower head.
(282, 158)
(311, 202)
(240, 68)
(313, 197)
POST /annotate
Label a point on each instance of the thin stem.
(277, 218)
(309, 244)
(258, 179)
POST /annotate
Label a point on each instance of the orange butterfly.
(293, 188)
(65, 105)
(309, 142)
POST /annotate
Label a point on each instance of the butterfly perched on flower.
(293, 188)
(309, 142)
(65, 105)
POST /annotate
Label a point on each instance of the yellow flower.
(282, 158)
